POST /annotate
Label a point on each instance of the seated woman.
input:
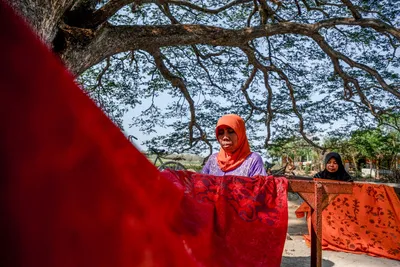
(234, 157)
(334, 169)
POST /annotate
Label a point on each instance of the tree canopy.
(289, 67)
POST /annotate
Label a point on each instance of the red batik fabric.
(76, 193)
(232, 220)
(367, 221)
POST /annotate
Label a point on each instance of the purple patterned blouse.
(251, 166)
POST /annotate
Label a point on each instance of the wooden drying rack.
(317, 194)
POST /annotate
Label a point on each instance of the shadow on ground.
(302, 261)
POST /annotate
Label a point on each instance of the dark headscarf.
(340, 174)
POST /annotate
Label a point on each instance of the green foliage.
(214, 77)
(378, 144)
(295, 148)
(390, 121)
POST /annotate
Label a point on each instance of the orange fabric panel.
(368, 221)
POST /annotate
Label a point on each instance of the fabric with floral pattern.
(232, 220)
(367, 221)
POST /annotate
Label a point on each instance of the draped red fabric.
(232, 220)
(367, 221)
(75, 192)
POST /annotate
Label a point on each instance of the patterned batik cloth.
(232, 220)
(367, 221)
(76, 193)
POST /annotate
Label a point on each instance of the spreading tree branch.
(102, 14)
(178, 82)
(350, 82)
(283, 76)
(82, 34)
(352, 9)
(257, 65)
(108, 40)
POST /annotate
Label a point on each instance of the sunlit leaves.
(214, 76)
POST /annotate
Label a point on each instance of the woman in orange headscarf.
(234, 157)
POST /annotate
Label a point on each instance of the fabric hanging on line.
(232, 220)
(75, 192)
(365, 222)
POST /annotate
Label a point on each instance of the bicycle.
(169, 165)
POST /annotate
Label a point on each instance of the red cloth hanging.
(75, 192)
(232, 220)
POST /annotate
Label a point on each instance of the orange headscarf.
(230, 161)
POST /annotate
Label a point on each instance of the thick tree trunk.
(42, 15)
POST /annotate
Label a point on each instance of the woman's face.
(227, 138)
(332, 165)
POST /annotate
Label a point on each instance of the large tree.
(288, 67)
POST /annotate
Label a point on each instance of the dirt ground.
(296, 253)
